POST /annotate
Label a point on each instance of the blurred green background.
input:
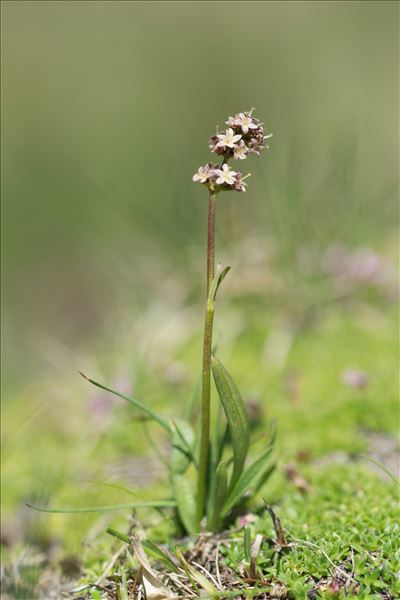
(107, 111)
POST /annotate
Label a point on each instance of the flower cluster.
(243, 137)
(220, 177)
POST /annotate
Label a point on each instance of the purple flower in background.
(364, 265)
(355, 379)
(100, 403)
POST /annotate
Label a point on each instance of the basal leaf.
(249, 478)
(108, 508)
(113, 486)
(219, 496)
(247, 543)
(185, 501)
(150, 546)
(198, 577)
(144, 409)
(236, 416)
(157, 552)
(182, 446)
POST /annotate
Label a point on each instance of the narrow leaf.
(220, 493)
(255, 551)
(150, 546)
(199, 578)
(236, 416)
(216, 282)
(193, 400)
(247, 543)
(185, 500)
(118, 535)
(276, 522)
(154, 587)
(157, 552)
(147, 411)
(182, 444)
(114, 486)
(111, 507)
(267, 474)
(249, 478)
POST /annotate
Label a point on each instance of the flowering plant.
(216, 463)
(245, 136)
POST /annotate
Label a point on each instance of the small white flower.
(228, 139)
(203, 174)
(240, 152)
(245, 121)
(225, 175)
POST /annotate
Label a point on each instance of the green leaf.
(199, 578)
(117, 534)
(113, 486)
(264, 478)
(273, 432)
(236, 416)
(183, 493)
(182, 444)
(247, 543)
(216, 282)
(219, 496)
(193, 400)
(111, 507)
(157, 552)
(150, 546)
(147, 411)
(249, 478)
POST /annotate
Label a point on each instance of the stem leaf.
(216, 282)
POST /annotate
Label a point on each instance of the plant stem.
(212, 205)
(206, 371)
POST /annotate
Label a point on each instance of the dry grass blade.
(255, 551)
(280, 536)
(154, 587)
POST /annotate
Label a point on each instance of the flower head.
(228, 139)
(225, 175)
